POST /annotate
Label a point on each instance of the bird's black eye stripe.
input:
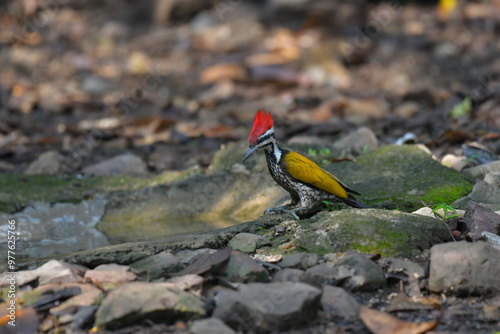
(263, 139)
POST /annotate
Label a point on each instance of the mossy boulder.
(401, 177)
(390, 233)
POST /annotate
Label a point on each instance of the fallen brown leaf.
(383, 323)
(223, 72)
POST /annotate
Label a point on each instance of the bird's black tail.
(355, 203)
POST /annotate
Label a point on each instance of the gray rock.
(159, 302)
(211, 325)
(339, 302)
(480, 218)
(299, 260)
(110, 273)
(47, 163)
(395, 267)
(52, 272)
(297, 275)
(156, 266)
(242, 268)
(6, 167)
(486, 193)
(479, 172)
(123, 164)
(366, 275)
(264, 308)
(356, 142)
(188, 256)
(465, 268)
(247, 242)
(390, 233)
(326, 270)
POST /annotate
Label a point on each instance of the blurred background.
(104, 104)
(172, 80)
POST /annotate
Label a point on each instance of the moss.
(26, 189)
(390, 233)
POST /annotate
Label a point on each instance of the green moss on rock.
(390, 233)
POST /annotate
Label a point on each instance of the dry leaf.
(221, 72)
(404, 303)
(383, 323)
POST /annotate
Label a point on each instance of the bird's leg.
(285, 209)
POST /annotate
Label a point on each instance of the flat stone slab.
(465, 268)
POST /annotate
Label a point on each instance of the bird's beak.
(250, 152)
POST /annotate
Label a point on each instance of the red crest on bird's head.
(262, 122)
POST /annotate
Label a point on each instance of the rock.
(69, 227)
(247, 242)
(480, 218)
(486, 193)
(242, 268)
(47, 163)
(465, 268)
(186, 282)
(390, 233)
(89, 296)
(52, 272)
(339, 302)
(358, 141)
(428, 212)
(156, 266)
(299, 260)
(188, 256)
(452, 161)
(110, 273)
(211, 325)
(479, 172)
(208, 262)
(401, 177)
(123, 164)
(297, 275)
(264, 308)
(367, 276)
(326, 270)
(133, 302)
(396, 267)
(94, 84)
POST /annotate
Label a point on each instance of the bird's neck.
(273, 152)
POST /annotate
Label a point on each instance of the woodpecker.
(306, 182)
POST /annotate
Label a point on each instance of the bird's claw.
(284, 210)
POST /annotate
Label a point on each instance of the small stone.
(110, 273)
(327, 270)
(426, 211)
(242, 268)
(188, 256)
(133, 302)
(6, 167)
(396, 266)
(247, 242)
(211, 325)
(54, 271)
(47, 163)
(479, 172)
(465, 268)
(358, 141)
(156, 266)
(483, 192)
(123, 164)
(299, 260)
(186, 282)
(367, 275)
(264, 308)
(339, 302)
(297, 275)
(480, 218)
(452, 161)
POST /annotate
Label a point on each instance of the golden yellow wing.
(307, 171)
